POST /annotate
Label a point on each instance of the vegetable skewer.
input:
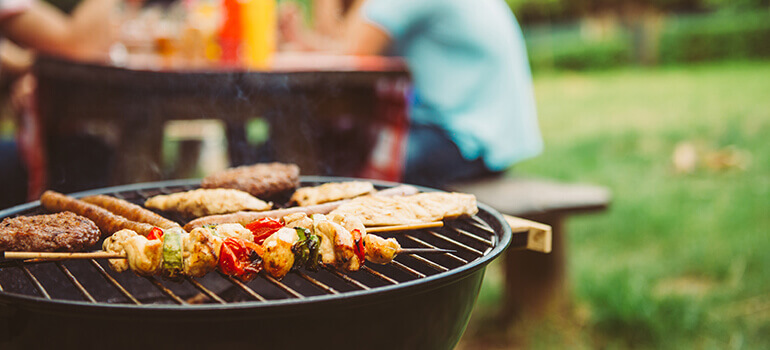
(100, 254)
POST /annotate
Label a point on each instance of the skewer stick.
(404, 227)
(62, 256)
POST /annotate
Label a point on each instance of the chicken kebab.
(298, 240)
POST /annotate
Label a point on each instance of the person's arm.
(327, 17)
(364, 38)
(14, 60)
(349, 35)
(85, 34)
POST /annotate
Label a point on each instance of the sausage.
(243, 217)
(107, 222)
(246, 217)
(129, 210)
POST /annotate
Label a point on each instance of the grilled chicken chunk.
(349, 222)
(233, 230)
(144, 256)
(200, 251)
(380, 250)
(330, 192)
(298, 220)
(114, 244)
(278, 257)
(339, 250)
(204, 202)
(323, 228)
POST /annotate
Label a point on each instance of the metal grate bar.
(426, 244)
(283, 287)
(143, 193)
(115, 283)
(477, 222)
(464, 233)
(381, 276)
(318, 283)
(27, 262)
(165, 290)
(35, 282)
(407, 269)
(429, 263)
(347, 278)
(445, 238)
(74, 281)
(165, 190)
(206, 291)
(243, 287)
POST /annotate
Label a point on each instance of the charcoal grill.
(416, 302)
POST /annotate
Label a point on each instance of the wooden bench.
(535, 283)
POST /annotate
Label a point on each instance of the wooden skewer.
(62, 256)
(404, 227)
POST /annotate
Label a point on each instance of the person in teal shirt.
(473, 107)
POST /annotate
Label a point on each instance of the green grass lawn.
(681, 260)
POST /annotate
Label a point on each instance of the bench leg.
(535, 283)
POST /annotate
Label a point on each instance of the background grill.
(90, 286)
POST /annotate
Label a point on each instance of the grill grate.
(91, 281)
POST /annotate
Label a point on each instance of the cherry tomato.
(155, 233)
(359, 247)
(263, 228)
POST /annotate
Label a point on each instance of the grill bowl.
(422, 312)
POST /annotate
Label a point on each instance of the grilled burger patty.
(260, 180)
(63, 231)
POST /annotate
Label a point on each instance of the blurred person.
(473, 109)
(85, 34)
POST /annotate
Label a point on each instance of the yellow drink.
(259, 31)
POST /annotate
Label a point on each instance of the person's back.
(470, 73)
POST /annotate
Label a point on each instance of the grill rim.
(357, 297)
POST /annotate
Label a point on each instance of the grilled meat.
(419, 208)
(114, 244)
(108, 222)
(200, 252)
(129, 210)
(380, 250)
(328, 233)
(64, 231)
(261, 180)
(298, 220)
(144, 256)
(203, 202)
(278, 258)
(244, 218)
(330, 192)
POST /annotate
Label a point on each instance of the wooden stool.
(534, 282)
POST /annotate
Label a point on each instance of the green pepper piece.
(172, 253)
(302, 233)
(300, 249)
(314, 245)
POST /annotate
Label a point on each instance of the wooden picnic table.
(323, 111)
